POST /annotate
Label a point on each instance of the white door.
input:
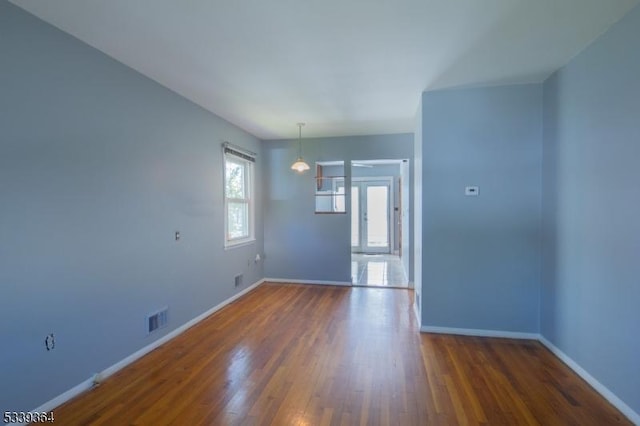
(370, 216)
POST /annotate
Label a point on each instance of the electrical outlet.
(96, 379)
(50, 342)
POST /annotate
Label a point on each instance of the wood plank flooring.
(290, 354)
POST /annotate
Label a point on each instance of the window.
(330, 194)
(238, 196)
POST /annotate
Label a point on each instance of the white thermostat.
(471, 190)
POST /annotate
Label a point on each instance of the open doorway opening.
(377, 223)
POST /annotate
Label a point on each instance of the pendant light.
(300, 165)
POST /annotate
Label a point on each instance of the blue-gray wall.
(590, 303)
(299, 244)
(99, 166)
(481, 255)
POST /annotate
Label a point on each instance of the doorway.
(376, 223)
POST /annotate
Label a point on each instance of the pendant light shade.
(300, 165)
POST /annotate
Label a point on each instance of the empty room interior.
(305, 213)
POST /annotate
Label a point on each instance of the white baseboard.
(89, 383)
(291, 281)
(599, 387)
(66, 396)
(478, 332)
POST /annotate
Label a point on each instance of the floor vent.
(157, 320)
(238, 281)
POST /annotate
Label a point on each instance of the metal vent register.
(157, 320)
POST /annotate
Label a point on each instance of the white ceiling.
(346, 67)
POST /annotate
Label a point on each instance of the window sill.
(241, 243)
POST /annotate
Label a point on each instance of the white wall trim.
(416, 312)
(599, 387)
(479, 332)
(312, 282)
(89, 383)
(64, 397)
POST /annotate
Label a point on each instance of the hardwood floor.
(315, 355)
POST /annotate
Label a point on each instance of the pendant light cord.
(300, 139)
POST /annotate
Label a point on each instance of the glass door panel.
(355, 219)
(377, 216)
(370, 210)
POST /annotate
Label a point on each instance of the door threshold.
(395, 287)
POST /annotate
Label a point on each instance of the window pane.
(235, 180)
(377, 212)
(237, 192)
(238, 220)
(355, 217)
(339, 199)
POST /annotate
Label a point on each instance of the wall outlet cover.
(471, 190)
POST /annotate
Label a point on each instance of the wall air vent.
(157, 320)
(238, 281)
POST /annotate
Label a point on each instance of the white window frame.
(247, 161)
